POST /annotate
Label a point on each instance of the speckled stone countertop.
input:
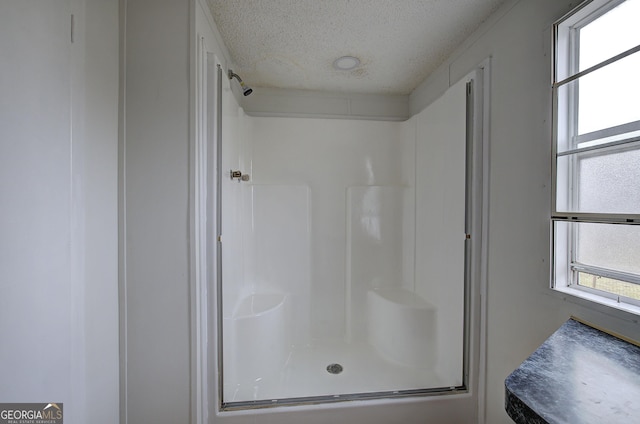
(579, 375)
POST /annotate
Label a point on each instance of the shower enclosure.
(344, 254)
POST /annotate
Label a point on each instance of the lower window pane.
(597, 256)
(611, 246)
(609, 285)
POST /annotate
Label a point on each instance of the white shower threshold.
(305, 374)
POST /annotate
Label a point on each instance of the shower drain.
(334, 368)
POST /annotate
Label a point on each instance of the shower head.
(246, 90)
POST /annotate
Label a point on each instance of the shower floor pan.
(331, 371)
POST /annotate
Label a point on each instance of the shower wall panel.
(327, 156)
(408, 160)
(440, 232)
(277, 247)
(235, 126)
(374, 248)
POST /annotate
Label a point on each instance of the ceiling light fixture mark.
(346, 63)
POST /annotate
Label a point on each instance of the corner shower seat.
(402, 326)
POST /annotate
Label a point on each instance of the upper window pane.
(611, 34)
(609, 96)
(602, 99)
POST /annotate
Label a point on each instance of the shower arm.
(246, 90)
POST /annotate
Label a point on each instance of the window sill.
(599, 303)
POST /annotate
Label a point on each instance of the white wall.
(37, 292)
(97, 181)
(306, 103)
(58, 185)
(155, 196)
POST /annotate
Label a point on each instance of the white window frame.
(564, 267)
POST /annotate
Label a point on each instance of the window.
(596, 202)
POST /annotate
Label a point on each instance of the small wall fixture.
(239, 176)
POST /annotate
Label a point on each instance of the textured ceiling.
(293, 43)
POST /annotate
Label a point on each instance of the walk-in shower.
(344, 262)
